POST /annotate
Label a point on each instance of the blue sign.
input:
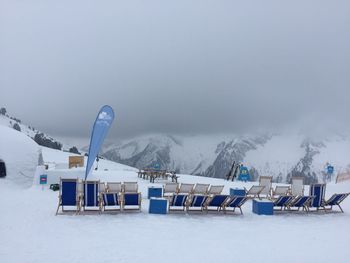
(244, 174)
(100, 129)
(330, 169)
(156, 166)
(43, 179)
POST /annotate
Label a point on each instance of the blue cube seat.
(158, 206)
(262, 207)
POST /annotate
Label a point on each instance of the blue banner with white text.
(99, 132)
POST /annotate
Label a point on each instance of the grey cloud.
(175, 66)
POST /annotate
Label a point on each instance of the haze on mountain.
(183, 67)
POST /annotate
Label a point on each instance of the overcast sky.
(179, 67)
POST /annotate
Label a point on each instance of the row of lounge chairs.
(98, 196)
(185, 202)
(170, 189)
(265, 188)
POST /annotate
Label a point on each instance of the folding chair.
(283, 201)
(235, 202)
(318, 191)
(280, 190)
(215, 202)
(130, 187)
(169, 189)
(68, 195)
(216, 189)
(91, 198)
(109, 200)
(201, 189)
(196, 202)
(300, 202)
(178, 202)
(297, 188)
(185, 189)
(266, 181)
(131, 201)
(114, 187)
(254, 191)
(336, 199)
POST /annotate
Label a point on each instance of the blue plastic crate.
(158, 206)
(262, 207)
(154, 192)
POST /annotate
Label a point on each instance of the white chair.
(185, 189)
(266, 181)
(201, 189)
(215, 189)
(255, 191)
(169, 189)
(280, 191)
(130, 187)
(114, 187)
(297, 186)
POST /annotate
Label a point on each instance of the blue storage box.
(158, 206)
(237, 192)
(154, 192)
(262, 207)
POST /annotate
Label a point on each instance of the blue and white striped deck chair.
(234, 202)
(217, 202)
(132, 201)
(68, 195)
(300, 202)
(318, 191)
(178, 201)
(335, 199)
(283, 201)
(196, 202)
(91, 197)
(111, 200)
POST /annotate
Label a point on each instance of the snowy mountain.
(280, 155)
(39, 137)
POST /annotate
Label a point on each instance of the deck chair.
(297, 186)
(111, 201)
(300, 202)
(178, 201)
(254, 191)
(169, 189)
(318, 191)
(215, 189)
(68, 195)
(114, 187)
(216, 203)
(201, 189)
(283, 201)
(91, 197)
(266, 181)
(131, 201)
(196, 202)
(102, 188)
(130, 187)
(234, 202)
(335, 199)
(185, 189)
(280, 190)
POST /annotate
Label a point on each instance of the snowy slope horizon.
(280, 155)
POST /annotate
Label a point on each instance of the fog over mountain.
(180, 68)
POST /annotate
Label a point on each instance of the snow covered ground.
(30, 231)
